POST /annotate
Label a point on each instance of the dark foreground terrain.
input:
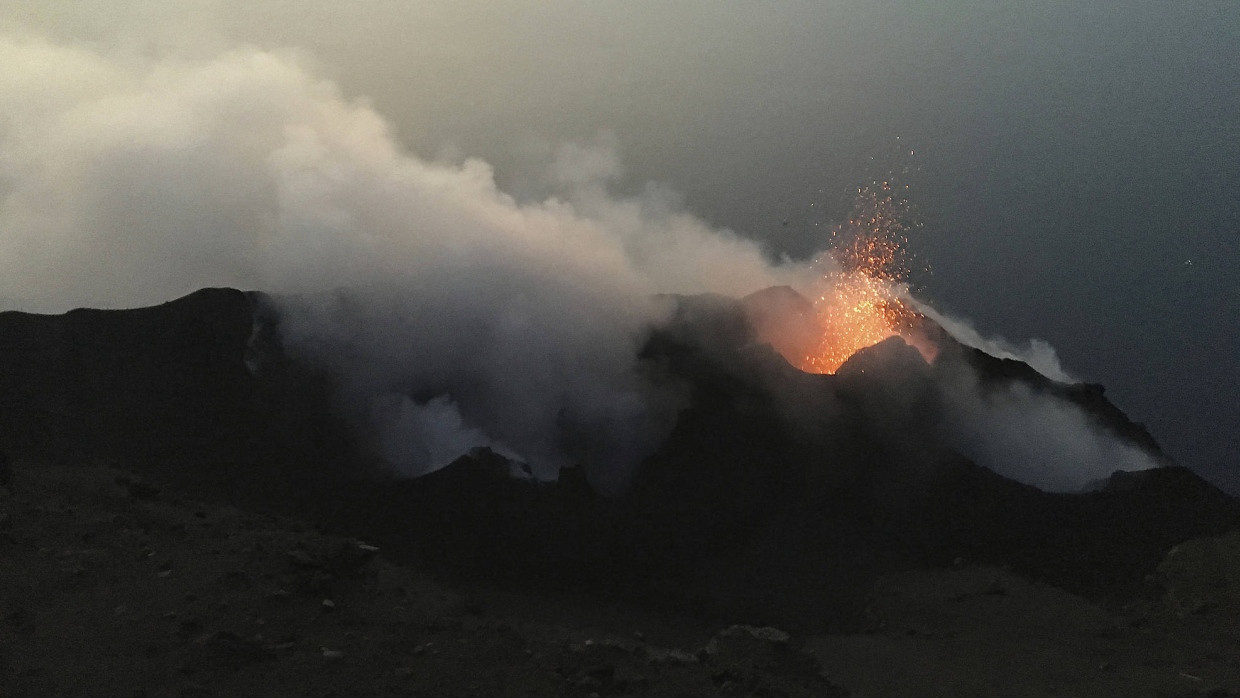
(112, 587)
(184, 514)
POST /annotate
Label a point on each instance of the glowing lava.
(855, 311)
(859, 300)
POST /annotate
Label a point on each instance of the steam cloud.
(456, 315)
(1039, 354)
(1035, 438)
(465, 314)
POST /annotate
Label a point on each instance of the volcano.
(779, 496)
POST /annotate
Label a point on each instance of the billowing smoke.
(1035, 436)
(1032, 436)
(454, 315)
(1038, 353)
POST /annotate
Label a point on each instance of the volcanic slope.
(779, 497)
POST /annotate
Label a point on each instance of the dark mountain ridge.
(778, 497)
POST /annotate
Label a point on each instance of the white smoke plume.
(464, 317)
(1033, 437)
(1038, 353)
(456, 315)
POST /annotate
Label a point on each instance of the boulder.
(1202, 576)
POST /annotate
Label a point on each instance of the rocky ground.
(111, 586)
(183, 511)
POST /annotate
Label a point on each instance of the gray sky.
(1077, 165)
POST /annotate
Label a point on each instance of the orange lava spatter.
(858, 301)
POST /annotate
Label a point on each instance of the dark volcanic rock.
(777, 498)
(765, 661)
(166, 388)
(231, 650)
(1091, 397)
(1202, 576)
